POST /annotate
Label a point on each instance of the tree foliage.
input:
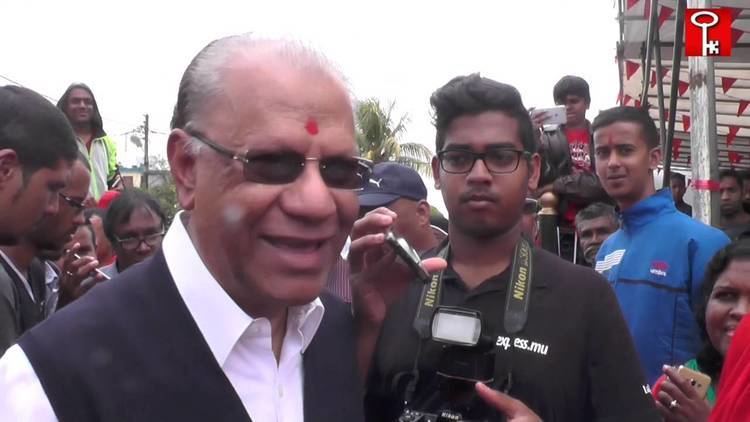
(379, 137)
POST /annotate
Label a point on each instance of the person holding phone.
(726, 300)
(228, 321)
(574, 177)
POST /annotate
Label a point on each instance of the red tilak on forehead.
(311, 126)
(610, 141)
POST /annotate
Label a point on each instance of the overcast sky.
(133, 53)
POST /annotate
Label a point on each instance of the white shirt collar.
(50, 275)
(221, 321)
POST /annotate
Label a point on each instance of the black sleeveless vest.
(129, 350)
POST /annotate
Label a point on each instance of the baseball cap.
(389, 182)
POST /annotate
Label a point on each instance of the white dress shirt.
(271, 391)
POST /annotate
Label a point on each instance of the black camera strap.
(517, 299)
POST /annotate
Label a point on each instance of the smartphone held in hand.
(407, 254)
(555, 115)
(700, 381)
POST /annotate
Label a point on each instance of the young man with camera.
(518, 319)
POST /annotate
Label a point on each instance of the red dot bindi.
(311, 127)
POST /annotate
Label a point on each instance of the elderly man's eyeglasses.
(278, 168)
(132, 243)
(497, 160)
(73, 202)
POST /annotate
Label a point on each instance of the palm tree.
(379, 138)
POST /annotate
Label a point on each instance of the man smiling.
(228, 322)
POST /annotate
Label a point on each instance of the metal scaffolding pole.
(674, 91)
(652, 29)
(703, 144)
(660, 94)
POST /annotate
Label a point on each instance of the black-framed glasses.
(278, 168)
(497, 160)
(132, 243)
(73, 202)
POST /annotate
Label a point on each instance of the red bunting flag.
(664, 71)
(682, 87)
(653, 79)
(676, 144)
(638, 103)
(685, 122)
(732, 134)
(664, 14)
(743, 106)
(735, 11)
(726, 83)
(734, 157)
(631, 68)
(632, 3)
(736, 35)
(626, 100)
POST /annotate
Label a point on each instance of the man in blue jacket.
(657, 259)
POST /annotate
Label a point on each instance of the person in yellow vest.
(79, 105)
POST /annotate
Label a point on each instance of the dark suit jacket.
(129, 350)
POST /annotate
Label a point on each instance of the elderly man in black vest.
(228, 322)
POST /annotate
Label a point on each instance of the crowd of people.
(278, 292)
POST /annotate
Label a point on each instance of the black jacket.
(581, 187)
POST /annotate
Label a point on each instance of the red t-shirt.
(578, 142)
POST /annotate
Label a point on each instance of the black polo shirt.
(573, 361)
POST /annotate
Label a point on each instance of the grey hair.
(596, 210)
(203, 78)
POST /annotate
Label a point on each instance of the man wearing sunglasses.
(565, 355)
(33, 276)
(228, 321)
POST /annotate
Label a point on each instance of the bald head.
(203, 84)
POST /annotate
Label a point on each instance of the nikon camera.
(467, 356)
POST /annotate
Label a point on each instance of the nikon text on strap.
(517, 297)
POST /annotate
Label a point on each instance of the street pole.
(144, 182)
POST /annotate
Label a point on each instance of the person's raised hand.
(378, 277)
(538, 119)
(76, 275)
(678, 400)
